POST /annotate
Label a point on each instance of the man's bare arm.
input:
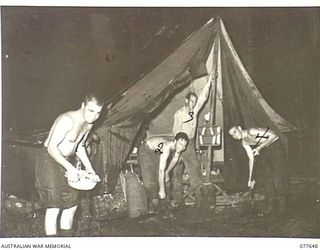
(162, 166)
(249, 152)
(62, 126)
(204, 94)
(174, 161)
(81, 152)
(176, 123)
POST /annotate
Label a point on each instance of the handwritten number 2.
(191, 117)
(158, 149)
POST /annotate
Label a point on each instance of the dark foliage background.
(52, 56)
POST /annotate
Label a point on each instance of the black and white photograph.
(160, 122)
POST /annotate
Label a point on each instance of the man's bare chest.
(76, 134)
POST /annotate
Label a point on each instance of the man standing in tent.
(55, 164)
(154, 155)
(272, 159)
(185, 120)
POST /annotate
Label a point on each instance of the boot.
(154, 206)
(177, 200)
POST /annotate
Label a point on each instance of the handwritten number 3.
(191, 117)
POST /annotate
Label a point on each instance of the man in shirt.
(272, 159)
(185, 120)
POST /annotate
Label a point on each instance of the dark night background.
(51, 57)
(56, 54)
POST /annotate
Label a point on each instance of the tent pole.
(213, 99)
(211, 122)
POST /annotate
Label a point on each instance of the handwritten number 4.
(262, 136)
(191, 117)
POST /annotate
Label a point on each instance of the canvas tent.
(151, 101)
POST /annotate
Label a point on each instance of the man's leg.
(281, 176)
(50, 199)
(264, 161)
(269, 188)
(49, 181)
(50, 221)
(69, 202)
(66, 221)
(177, 187)
(191, 162)
(149, 162)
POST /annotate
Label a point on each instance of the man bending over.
(265, 144)
(158, 155)
(54, 166)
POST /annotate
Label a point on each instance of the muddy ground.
(302, 219)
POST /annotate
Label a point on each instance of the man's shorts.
(273, 173)
(52, 185)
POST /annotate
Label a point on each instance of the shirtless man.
(273, 160)
(54, 167)
(185, 120)
(154, 154)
